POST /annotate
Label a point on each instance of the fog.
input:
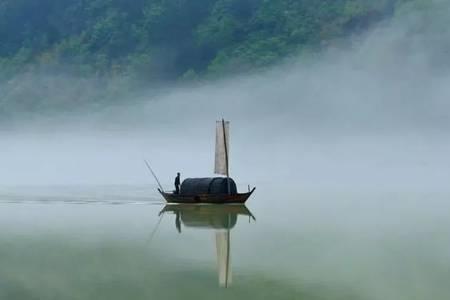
(370, 116)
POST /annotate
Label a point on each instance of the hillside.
(172, 39)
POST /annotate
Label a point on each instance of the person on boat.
(177, 184)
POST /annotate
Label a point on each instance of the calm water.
(116, 242)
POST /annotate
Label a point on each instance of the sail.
(222, 147)
(223, 257)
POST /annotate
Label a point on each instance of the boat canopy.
(217, 185)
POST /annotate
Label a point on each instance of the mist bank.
(372, 116)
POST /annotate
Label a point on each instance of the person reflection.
(178, 222)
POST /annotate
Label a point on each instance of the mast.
(222, 160)
(226, 155)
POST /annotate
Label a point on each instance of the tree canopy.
(172, 39)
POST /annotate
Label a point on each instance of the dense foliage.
(171, 39)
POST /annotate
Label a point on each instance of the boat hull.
(207, 198)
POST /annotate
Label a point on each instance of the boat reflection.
(222, 219)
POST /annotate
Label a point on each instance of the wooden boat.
(207, 198)
(219, 190)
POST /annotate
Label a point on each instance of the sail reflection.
(222, 219)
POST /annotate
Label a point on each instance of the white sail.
(222, 147)
(223, 258)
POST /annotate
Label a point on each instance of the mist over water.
(374, 114)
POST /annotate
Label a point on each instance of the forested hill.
(172, 39)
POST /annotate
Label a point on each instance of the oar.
(154, 175)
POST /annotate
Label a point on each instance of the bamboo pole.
(226, 155)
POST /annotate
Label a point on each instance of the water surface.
(121, 242)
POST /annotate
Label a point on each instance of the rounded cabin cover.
(218, 185)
